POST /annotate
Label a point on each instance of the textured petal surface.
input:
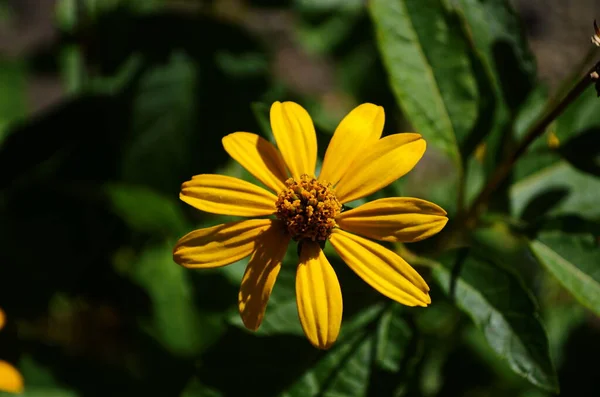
(219, 245)
(10, 379)
(295, 135)
(361, 128)
(260, 275)
(225, 195)
(259, 157)
(381, 164)
(394, 219)
(318, 296)
(381, 268)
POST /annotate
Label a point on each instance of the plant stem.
(534, 132)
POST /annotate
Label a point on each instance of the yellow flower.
(310, 210)
(10, 379)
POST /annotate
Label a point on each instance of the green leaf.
(504, 311)
(175, 322)
(147, 211)
(502, 46)
(394, 336)
(559, 189)
(12, 97)
(346, 368)
(430, 71)
(431, 74)
(573, 259)
(163, 114)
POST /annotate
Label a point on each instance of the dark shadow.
(516, 83)
(543, 203)
(583, 151)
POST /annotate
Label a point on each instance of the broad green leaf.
(12, 96)
(393, 338)
(504, 311)
(430, 71)
(502, 46)
(572, 258)
(581, 115)
(431, 74)
(345, 369)
(163, 115)
(559, 189)
(147, 211)
(175, 322)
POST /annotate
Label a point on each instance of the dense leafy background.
(90, 210)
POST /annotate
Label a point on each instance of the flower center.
(308, 208)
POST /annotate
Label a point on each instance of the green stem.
(535, 131)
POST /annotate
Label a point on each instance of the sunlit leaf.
(573, 259)
(560, 189)
(430, 71)
(511, 326)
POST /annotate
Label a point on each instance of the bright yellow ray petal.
(381, 268)
(259, 157)
(403, 219)
(10, 379)
(260, 276)
(361, 128)
(219, 245)
(2, 318)
(318, 296)
(225, 195)
(381, 164)
(295, 136)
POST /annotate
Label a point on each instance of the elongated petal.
(259, 157)
(403, 219)
(225, 195)
(295, 135)
(219, 245)
(361, 128)
(381, 164)
(2, 318)
(260, 276)
(10, 379)
(318, 296)
(381, 268)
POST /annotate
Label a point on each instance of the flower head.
(310, 210)
(10, 379)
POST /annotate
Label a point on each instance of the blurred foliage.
(90, 211)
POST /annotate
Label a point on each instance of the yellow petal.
(260, 276)
(381, 268)
(381, 164)
(361, 128)
(295, 135)
(403, 219)
(219, 245)
(318, 296)
(225, 195)
(10, 379)
(259, 157)
(2, 318)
